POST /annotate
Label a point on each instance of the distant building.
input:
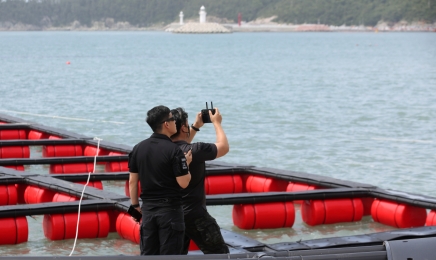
(202, 14)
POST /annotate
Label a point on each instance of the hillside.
(156, 14)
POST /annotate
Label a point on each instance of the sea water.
(352, 106)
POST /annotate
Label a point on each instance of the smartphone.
(134, 213)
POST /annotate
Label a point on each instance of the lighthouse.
(202, 14)
(181, 18)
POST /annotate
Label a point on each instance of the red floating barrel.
(431, 218)
(265, 184)
(398, 215)
(12, 134)
(127, 228)
(61, 150)
(113, 215)
(14, 152)
(21, 188)
(117, 166)
(15, 167)
(72, 168)
(367, 204)
(95, 184)
(330, 211)
(13, 230)
(264, 215)
(33, 195)
(8, 194)
(60, 197)
(295, 186)
(223, 184)
(37, 135)
(91, 150)
(63, 226)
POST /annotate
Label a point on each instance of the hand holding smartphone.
(136, 215)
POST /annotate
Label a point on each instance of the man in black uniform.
(162, 169)
(201, 227)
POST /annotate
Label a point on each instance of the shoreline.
(244, 27)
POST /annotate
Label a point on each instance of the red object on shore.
(13, 230)
(398, 215)
(223, 184)
(330, 211)
(63, 226)
(264, 215)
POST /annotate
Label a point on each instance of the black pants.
(162, 231)
(206, 234)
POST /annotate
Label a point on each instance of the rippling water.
(353, 106)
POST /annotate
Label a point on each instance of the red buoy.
(117, 166)
(264, 215)
(398, 215)
(33, 195)
(37, 135)
(264, 184)
(15, 167)
(61, 150)
(60, 197)
(21, 188)
(95, 184)
(223, 184)
(14, 152)
(431, 218)
(8, 194)
(127, 228)
(330, 211)
(63, 226)
(13, 230)
(12, 134)
(91, 150)
(295, 186)
(72, 168)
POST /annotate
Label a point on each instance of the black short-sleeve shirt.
(194, 198)
(158, 161)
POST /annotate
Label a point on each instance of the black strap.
(195, 128)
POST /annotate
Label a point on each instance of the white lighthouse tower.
(202, 14)
(181, 18)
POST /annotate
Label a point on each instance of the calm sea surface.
(353, 106)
